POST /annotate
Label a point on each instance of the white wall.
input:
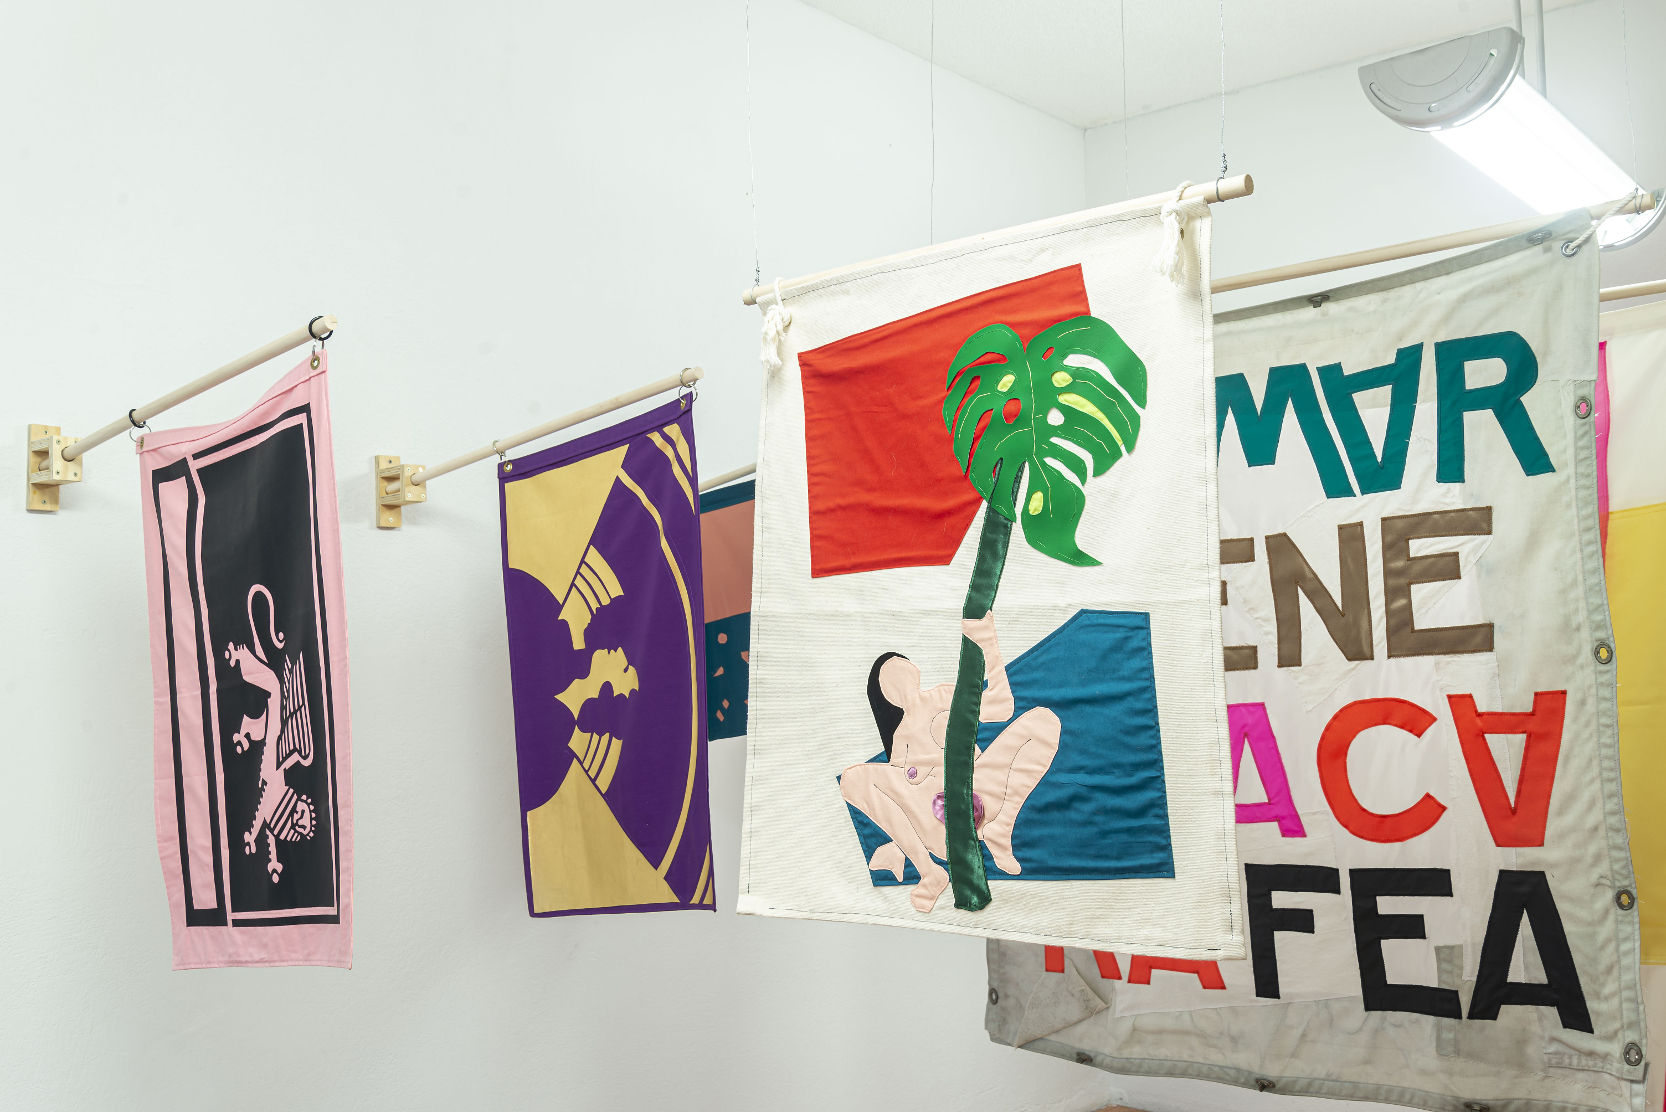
(1333, 175)
(516, 209)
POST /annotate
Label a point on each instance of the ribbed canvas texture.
(1151, 520)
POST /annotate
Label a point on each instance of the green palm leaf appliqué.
(1068, 405)
(1058, 411)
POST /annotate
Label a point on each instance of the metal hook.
(693, 388)
(140, 441)
(319, 345)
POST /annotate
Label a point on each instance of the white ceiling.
(1064, 56)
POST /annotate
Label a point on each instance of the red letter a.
(1521, 823)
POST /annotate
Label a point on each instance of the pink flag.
(248, 643)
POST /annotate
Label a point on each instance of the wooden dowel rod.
(1407, 250)
(1640, 289)
(728, 477)
(190, 390)
(1226, 189)
(687, 377)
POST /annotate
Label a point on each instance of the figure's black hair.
(886, 714)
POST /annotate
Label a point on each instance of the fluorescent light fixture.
(1470, 93)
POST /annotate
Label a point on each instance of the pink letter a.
(1248, 721)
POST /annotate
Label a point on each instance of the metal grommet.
(508, 465)
(1604, 652)
(1539, 236)
(1318, 299)
(1633, 1054)
(1624, 899)
(1569, 249)
(1262, 1085)
(994, 997)
(1583, 408)
(315, 360)
(1084, 1058)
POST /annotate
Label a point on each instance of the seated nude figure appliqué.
(904, 796)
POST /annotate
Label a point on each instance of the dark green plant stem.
(971, 889)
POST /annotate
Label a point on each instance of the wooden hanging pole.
(318, 328)
(402, 484)
(1416, 247)
(53, 459)
(1225, 189)
(728, 477)
(1640, 289)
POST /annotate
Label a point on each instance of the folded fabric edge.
(1231, 949)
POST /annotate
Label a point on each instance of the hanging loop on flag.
(1171, 260)
(312, 330)
(776, 321)
(1572, 246)
(139, 440)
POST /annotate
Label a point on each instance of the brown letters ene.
(1348, 622)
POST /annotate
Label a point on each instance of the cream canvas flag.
(986, 694)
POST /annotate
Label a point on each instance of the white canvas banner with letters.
(1438, 890)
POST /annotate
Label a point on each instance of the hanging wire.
(931, 84)
(1223, 88)
(752, 162)
(1122, 43)
(1625, 66)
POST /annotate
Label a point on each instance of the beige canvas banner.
(1437, 884)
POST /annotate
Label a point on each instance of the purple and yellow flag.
(602, 588)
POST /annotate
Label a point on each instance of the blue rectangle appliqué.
(1101, 810)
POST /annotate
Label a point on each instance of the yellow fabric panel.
(580, 857)
(551, 516)
(1636, 565)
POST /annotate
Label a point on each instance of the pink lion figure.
(282, 813)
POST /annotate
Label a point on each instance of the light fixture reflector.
(1525, 145)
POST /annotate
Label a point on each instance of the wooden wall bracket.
(46, 469)
(394, 491)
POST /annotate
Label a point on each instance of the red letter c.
(1347, 724)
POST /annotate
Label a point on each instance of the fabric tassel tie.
(1171, 257)
(776, 321)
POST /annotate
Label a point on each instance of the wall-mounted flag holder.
(55, 459)
(48, 469)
